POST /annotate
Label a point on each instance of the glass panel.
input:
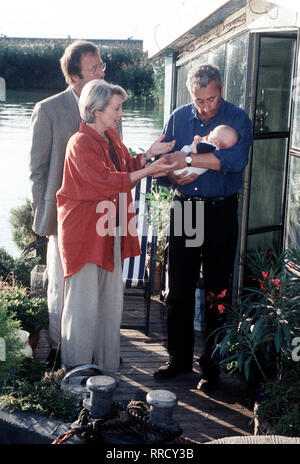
(217, 57)
(264, 241)
(296, 122)
(183, 95)
(236, 70)
(267, 183)
(293, 210)
(202, 59)
(274, 84)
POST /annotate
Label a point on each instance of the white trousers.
(55, 290)
(91, 319)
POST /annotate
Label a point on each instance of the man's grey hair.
(201, 76)
(96, 95)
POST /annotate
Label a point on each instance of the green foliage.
(31, 369)
(129, 68)
(11, 347)
(38, 391)
(21, 222)
(35, 65)
(159, 78)
(280, 406)
(16, 270)
(260, 327)
(32, 65)
(159, 202)
(30, 311)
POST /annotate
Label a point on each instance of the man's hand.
(177, 159)
(182, 179)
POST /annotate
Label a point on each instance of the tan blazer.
(53, 122)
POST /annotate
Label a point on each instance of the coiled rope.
(122, 419)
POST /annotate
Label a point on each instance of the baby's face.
(222, 138)
(216, 140)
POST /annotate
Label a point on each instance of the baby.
(220, 138)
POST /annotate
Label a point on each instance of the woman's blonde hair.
(96, 95)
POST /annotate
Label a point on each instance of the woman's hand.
(177, 158)
(159, 147)
(161, 166)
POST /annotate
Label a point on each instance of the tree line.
(35, 65)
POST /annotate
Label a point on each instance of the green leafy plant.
(279, 409)
(38, 391)
(16, 270)
(11, 346)
(134, 153)
(260, 327)
(30, 311)
(159, 202)
(21, 221)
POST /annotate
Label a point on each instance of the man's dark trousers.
(217, 254)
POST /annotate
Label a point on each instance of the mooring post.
(162, 404)
(101, 389)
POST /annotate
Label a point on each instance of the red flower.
(222, 294)
(221, 308)
(276, 283)
(265, 275)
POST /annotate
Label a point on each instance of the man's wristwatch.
(188, 160)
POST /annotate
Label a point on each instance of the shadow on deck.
(202, 417)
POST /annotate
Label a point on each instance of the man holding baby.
(217, 186)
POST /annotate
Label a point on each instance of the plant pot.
(157, 277)
(34, 339)
(24, 337)
(260, 427)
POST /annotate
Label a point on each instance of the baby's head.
(223, 137)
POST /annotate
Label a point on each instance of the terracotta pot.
(34, 339)
(157, 277)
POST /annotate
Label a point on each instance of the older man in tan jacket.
(53, 122)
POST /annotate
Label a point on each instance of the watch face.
(188, 160)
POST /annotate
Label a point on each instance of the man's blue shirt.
(184, 124)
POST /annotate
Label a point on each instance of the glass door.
(276, 57)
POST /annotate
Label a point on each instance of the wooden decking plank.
(202, 417)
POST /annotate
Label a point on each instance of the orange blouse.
(88, 201)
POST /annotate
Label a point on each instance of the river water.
(142, 124)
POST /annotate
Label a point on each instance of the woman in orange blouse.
(96, 226)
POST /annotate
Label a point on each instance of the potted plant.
(279, 411)
(10, 345)
(159, 202)
(32, 312)
(262, 325)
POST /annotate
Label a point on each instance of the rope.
(131, 418)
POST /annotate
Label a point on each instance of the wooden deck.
(202, 417)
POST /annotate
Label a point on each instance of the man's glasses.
(97, 68)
